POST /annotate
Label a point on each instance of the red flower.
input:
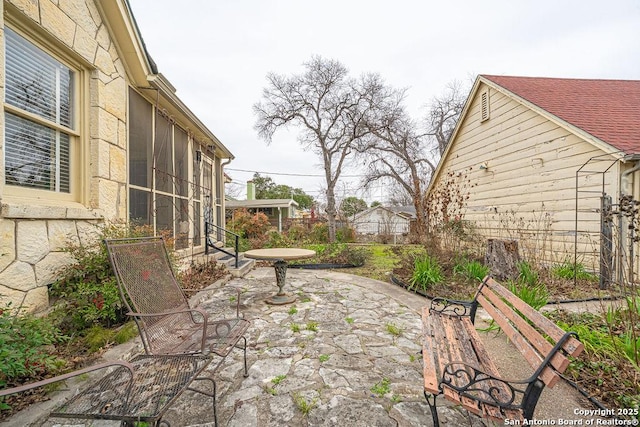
(146, 274)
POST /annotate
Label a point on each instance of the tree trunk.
(331, 215)
(502, 258)
(421, 223)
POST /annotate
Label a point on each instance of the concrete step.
(244, 266)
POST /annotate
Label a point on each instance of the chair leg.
(212, 395)
(244, 349)
(431, 400)
(243, 346)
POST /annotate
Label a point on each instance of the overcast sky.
(217, 54)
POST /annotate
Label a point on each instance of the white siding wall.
(381, 221)
(528, 189)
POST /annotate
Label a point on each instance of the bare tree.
(443, 115)
(328, 106)
(394, 150)
(397, 195)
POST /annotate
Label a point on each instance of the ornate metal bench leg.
(431, 400)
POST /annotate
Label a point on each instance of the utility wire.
(288, 174)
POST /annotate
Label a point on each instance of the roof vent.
(484, 108)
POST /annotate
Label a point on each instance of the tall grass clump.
(528, 287)
(471, 270)
(571, 270)
(427, 272)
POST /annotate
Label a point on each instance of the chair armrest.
(472, 382)
(453, 307)
(200, 311)
(23, 388)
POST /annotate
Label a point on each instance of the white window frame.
(74, 131)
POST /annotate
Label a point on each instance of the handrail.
(208, 243)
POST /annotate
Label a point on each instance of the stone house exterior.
(534, 159)
(92, 134)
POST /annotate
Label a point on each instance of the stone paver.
(346, 353)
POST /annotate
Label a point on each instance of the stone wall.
(34, 234)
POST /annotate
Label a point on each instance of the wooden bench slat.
(529, 353)
(430, 366)
(534, 337)
(573, 346)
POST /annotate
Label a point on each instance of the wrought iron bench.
(139, 391)
(155, 300)
(457, 365)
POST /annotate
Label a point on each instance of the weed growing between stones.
(302, 404)
(381, 388)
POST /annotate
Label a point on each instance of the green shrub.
(471, 270)
(25, 351)
(279, 240)
(345, 235)
(426, 273)
(319, 233)
(87, 291)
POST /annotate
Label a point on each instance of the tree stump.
(502, 258)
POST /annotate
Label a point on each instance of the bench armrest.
(469, 381)
(454, 307)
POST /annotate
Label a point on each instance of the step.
(244, 266)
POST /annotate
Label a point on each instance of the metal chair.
(155, 300)
(130, 392)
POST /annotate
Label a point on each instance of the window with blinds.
(38, 118)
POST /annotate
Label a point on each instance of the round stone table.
(280, 256)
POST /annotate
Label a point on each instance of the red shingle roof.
(606, 109)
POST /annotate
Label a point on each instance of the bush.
(249, 226)
(87, 291)
(345, 235)
(319, 233)
(426, 273)
(25, 351)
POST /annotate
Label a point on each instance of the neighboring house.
(92, 134)
(379, 220)
(532, 158)
(277, 210)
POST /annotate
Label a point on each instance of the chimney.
(251, 190)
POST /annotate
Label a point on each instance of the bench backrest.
(532, 334)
